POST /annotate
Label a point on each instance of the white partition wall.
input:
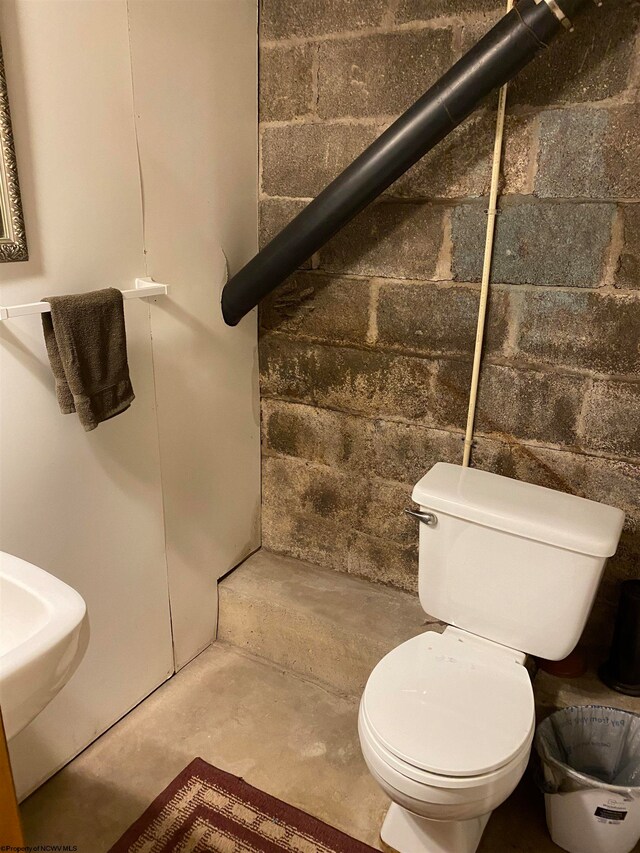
(143, 514)
(195, 93)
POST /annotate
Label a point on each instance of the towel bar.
(144, 287)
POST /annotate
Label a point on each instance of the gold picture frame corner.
(13, 237)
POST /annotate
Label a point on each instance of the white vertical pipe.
(486, 268)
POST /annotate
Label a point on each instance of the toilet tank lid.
(535, 512)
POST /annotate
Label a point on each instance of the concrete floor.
(281, 733)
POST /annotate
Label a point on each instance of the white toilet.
(446, 720)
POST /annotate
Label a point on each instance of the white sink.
(42, 640)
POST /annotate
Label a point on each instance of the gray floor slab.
(283, 734)
(286, 736)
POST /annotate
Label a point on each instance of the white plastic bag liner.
(591, 767)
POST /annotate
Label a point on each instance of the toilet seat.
(414, 775)
(451, 705)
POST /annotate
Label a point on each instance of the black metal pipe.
(510, 45)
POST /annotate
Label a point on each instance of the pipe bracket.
(557, 11)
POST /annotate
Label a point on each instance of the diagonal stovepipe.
(504, 51)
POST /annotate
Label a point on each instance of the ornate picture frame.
(13, 239)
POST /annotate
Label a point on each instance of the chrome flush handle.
(427, 518)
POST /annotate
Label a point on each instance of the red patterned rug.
(205, 810)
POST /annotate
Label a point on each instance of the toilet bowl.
(446, 720)
(446, 723)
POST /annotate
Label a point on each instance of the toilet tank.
(509, 561)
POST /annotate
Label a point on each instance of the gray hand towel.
(87, 347)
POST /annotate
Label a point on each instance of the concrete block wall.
(366, 352)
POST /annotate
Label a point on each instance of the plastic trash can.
(590, 759)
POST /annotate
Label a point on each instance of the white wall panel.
(195, 72)
(85, 506)
(89, 506)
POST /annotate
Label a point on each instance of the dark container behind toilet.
(622, 670)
